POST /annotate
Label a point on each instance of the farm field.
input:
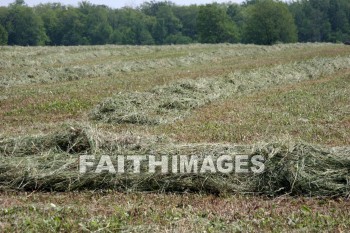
(289, 102)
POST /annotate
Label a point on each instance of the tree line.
(254, 21)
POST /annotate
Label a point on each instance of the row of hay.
(23, 65)
(291, 168)
(160, 105)
(55, 56)
(71, 139)
(166, 104)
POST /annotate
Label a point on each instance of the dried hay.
(291, 168)
(69, 139)
(25, 65)
(166, 104)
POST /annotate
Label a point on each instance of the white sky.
(116, 3)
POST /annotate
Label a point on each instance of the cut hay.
(25, 65)
(166, 104)
(160, 105)
(291, 168)
(70, 139)
(51, 64)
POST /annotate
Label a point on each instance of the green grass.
(140, 212)
(65, 106)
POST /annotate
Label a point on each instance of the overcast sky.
(115, 3)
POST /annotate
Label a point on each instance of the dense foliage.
(253, 21)
(268, 22)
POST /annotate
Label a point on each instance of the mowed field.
(160, 98)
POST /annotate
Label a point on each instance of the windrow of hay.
(290, 168)
(166, 104)
(47, 65)
(25, 65)
(72, 138)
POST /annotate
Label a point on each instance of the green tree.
(171, 22)
(167, 24)
(97, 27)
(188, 18)
(268, 22)
(18, 3)
(3, 35)
(49, 13)
(339, 18)
(24, 26)
(131, 26)
(71, 27)
(166, 21)
(236, 13)
(177, 39)
(4, 12)
(312, 20)
(215, 26)
(253, 21)
(3, 32)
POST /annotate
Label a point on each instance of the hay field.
(289, 103)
